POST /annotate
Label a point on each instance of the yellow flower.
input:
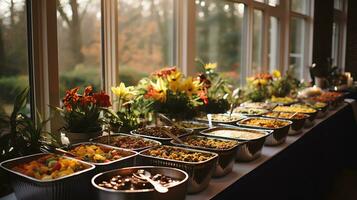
(174, 80)
(123, 92)
(276, 74)
(260, 82)
(211, 66)
(190, 86)
(159, 90)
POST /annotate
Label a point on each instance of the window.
(146, 38)
(300, 6)
(273, 2)
(257, 41)
(219, 32)
(297, 39)
(79, 43)
(14, 75)
(273, 41)
(339, 33)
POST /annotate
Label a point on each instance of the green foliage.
(11, 86)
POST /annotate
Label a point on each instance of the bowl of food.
(194, 125)
(226, 150)
(222, 118)
(283, 100)
(124, 141)
(251, 112)
(320, 106)
(279, 127)
(104, 157)
(49, 176)
(332, 98)
(298, 109)
(252, 140)
(261, 105)
(158, 133)
(199, 165)
(298, 120)
(127, 183)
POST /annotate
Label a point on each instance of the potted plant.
(216, 87)
(169, 92)
(257, 88)
(83, 113)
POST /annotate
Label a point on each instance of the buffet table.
(301, 168)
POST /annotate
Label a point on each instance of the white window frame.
(340, 18)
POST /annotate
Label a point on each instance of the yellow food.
(294, 109)
(265, 123)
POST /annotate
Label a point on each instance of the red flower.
(204, 80)
(203, 96)
(102, 99)
(165, 71)
(88, 91)
(265, 76)
(71, 98)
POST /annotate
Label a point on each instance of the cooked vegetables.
(50, 167)
(127, 142)
(265, 123)
(97, 154)
(160, 131)
(211, 143)
(294, 109)
(173, 153)
(287, 115)
(250, 111)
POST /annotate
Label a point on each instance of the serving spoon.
(143, 174)
(168, 133)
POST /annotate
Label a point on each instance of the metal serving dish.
(163, 140)
(262, 105)
(232, 122)
(200, 173)
(250, 149)
(278, 136)
(226, 157)
(195, 130)
(296, 126)
(65, 188)
(127, 161)
(245, 111)
(177, 192)
(104, 139)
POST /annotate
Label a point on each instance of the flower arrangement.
(168, 91)
(217, 89)
(126, 118)
(283, 85)
(257, 88)
(82, 112)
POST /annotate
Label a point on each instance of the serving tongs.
(170, 122)
(56, 150)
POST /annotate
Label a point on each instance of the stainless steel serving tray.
(96, 140)
(64, 188)
(176, 192)
(161, 139)
(226, 157)
(232, 122)
(127, 161)
(264, 105)
(279, 134)
(298, 124)
(196, 130)
(200, 173)
(250, 149)
(264, 111)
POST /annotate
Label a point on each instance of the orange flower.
(70, 98)
(102, 99)
(203, 96)
(88, 91)
(165, 71)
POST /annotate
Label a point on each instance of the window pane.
(335, 43)
(297, 39)
(219, 29)
(257, 41)
(273, 2)
(146, 37)
(273, 44)
(338, 4)
(79, 43)
(300, 6)
(262, 1)
(13, 53)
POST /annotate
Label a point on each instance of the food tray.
(296, 126)
(250, 149)
(262, 111)
(226, 157)
(177, 192)
(163, 141)
(232, 122)
(196, 130)
(97, 139)
(127, 161)
(65, 188)
(200, 173)
(278, 136)
(262, 105)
